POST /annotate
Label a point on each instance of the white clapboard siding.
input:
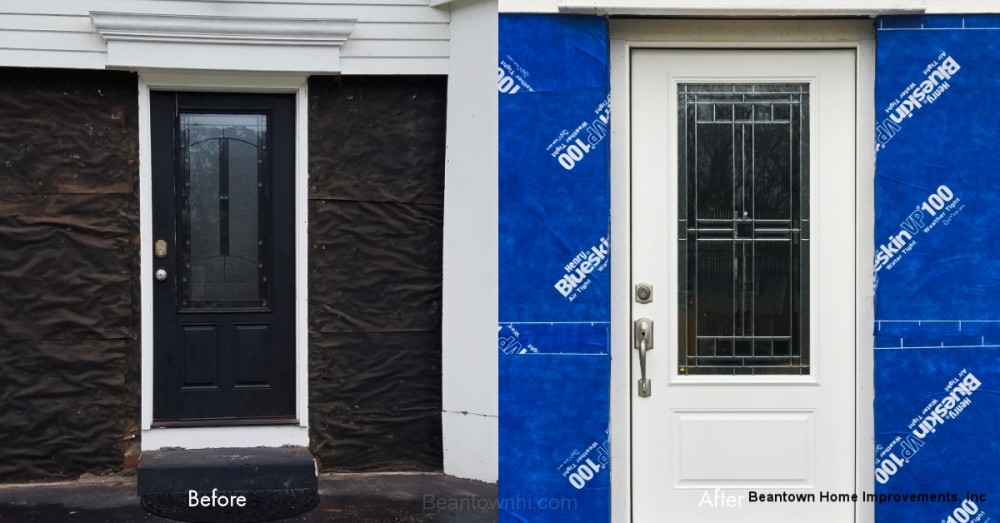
(390, 36)
(392, 49)
(46, 23)
(54, 59)
(360, 65)
(400, 31)
(50, 41)
(363, 11)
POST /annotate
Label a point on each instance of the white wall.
(963, 6)
(390, 37)
(470, 246)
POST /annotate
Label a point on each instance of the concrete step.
(226, 469)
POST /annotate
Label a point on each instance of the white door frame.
(241, 436)
(625, 35)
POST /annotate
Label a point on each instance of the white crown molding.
(221, 29)
(158, 41)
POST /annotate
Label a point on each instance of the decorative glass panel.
(743, 234)
(223, 202)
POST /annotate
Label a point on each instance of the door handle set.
(643, 330)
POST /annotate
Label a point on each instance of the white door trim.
(247, 436)
(693, 34)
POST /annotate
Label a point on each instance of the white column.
(469, 308)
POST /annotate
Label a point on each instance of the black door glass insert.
(743, 239)
(223, 192)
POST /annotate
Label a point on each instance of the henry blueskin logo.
(571, 147)
(916, 96)
(939, 206)
(511, 77)
(582, 466)
(579, 269)
(932, 417)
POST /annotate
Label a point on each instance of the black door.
(223, 264)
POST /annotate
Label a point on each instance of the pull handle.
(643, 331)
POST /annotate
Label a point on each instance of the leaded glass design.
(223, 211)
(743, 238)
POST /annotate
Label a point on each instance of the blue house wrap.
(937, 314)
(937, 328)
(554, 281)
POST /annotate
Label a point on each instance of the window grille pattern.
(743, 238)
(223, 211)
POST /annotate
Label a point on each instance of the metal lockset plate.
(643, 293)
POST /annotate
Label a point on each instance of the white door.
(743, 220)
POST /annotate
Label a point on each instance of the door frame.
(237, 436)
(628, 34)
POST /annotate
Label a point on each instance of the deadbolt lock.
(160, 248)
(643, 293)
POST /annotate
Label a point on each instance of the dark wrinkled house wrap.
(69, 347)
(376, 195)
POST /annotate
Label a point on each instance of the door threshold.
(240, 436)
(224, 422)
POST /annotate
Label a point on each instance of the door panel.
(223, 198)
(743, 222)
(735, 449)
